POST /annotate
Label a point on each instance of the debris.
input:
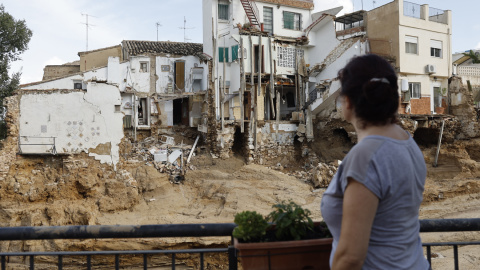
(174, 155)
(193, 149)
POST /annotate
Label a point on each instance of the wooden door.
(180, 75)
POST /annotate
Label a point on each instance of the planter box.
(285, 255)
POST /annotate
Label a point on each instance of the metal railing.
(38, 142)
(179, 230)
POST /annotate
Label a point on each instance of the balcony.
(123, 259)
(420, 12)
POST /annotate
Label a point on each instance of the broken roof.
(137, 47)
(350, 18)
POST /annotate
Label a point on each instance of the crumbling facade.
(259, 74)
(156, 85)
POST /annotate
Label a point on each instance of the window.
(268, 20)
(411, 44)
(222, 54)
(234, 52)
(143, 66)
(291, 20)
(436, 48)
(414, 89)
(223, 11)
(77, 84)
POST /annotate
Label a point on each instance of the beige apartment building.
(417, 38)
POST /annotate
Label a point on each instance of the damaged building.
(150, 86)
(266, 70)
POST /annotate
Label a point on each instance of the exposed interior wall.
(79, 121)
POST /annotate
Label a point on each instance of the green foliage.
(14, 39)
(292, 221)
(251, 226)
(475, 58)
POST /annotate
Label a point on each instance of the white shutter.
(411, 39)
(437, 44)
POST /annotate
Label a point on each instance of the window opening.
(411, 45)
(223, 11)
(143, 66)
(435, 48)
(268, 20)
(291, 20)
(414, 89)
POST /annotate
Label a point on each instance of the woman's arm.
(359, 208)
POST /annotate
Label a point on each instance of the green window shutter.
(221, 54)
(288, 20)
(234, 53)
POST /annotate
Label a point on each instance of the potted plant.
(291, 241)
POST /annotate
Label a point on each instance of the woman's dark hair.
(370, 83)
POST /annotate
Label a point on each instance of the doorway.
(180, 76)
(181, 112)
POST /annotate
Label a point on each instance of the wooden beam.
(272, 80)
(242, 87)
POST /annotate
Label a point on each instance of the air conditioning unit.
(430, 69)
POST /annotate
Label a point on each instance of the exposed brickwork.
(420, 106)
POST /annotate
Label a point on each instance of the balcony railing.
(411, 10)
(177, 231)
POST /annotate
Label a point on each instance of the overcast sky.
(59, 30)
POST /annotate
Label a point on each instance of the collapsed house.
(266, 70)
(152, 85)
(275, 64)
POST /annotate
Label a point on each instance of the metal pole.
(435, 164)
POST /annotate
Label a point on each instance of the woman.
(372, 204)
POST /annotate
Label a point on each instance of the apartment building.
(419, 38)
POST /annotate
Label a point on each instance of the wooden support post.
(242, 87)
(252, 88)
(278, 114)
(259, 89)
(272, 80)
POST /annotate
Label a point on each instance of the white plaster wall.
(425, 30)
(79, 121)
(140, 80)
(169, 110)
(325, 40)
(164, 78)
(331, 71)
(63, 83)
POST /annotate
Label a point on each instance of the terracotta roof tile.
(136, 47)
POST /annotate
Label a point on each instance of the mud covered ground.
(77, 190)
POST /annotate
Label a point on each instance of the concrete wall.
(98, 58)
(382, 25)
(80, 122)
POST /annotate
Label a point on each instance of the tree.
(14, 38)
(475, 58)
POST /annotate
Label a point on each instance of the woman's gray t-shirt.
(394, 170)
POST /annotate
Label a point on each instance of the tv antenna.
(158, 24)
(184, 29)
(87, 25)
